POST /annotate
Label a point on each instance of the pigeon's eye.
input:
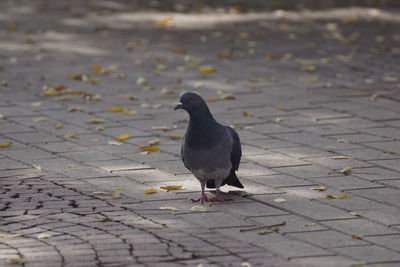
(189, 100)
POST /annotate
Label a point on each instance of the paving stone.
(328, 239)
(35, 137)
(346, 182)
(369, 253)
(269, 159)
(388, 241)
(385, 195)
(359, 226)
(281, 181)
(88, 155)
(62, 147)
(328, 261)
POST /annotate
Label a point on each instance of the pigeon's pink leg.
(203, 196)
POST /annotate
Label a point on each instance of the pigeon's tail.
(231, 180)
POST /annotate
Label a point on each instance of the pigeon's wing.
(236, 153)
(183, 158)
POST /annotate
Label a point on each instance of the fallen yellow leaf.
(336, 197)
(150, 148)
(358, 263)
(120, 188)
(313, 78)
(212, 99)
(355, 214)
(342, 141)
(279, 200)
(6, 144)
(279, 119)
(309, 224)
(115, 109)
(43, 236)
(373, 97)
(99, 69)
(59, 126)
(341, 157)
(164, 22)
(228, 96)
(99, 128)
(198, 208)
(122, 137)
(356, 236)
(321, 188)
(175, 136)
(154, 142)
(19, 260)
(172, 187)
(71, 135)
(346, 170)
(150, 191)
(95, 121)
(130, 111)
(168, 208)
(9, 235)
(161, 128)
(114, 143)
(37, 167)
(247, 113)
(391, 152)
(12, 26)
(115, 195)
(205, 70)
(36, 104)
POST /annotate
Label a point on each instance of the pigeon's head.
(192, 102)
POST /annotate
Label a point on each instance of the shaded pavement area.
(88, 87)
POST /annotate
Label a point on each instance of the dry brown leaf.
(355, 214)
(172, 187)
(99, 69)
(122, 137)
(342, 141)
(150, 148)
(99, 128)
(5, 144)
(150, 191)
(391, 152)
(12, 26)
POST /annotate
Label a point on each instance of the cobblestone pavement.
(317, 106)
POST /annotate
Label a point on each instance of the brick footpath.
(315, 93)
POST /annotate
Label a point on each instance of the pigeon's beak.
(179, 106)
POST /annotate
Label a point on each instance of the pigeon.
(210, 150)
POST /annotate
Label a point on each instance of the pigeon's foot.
(202, 198)
(218, 198)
